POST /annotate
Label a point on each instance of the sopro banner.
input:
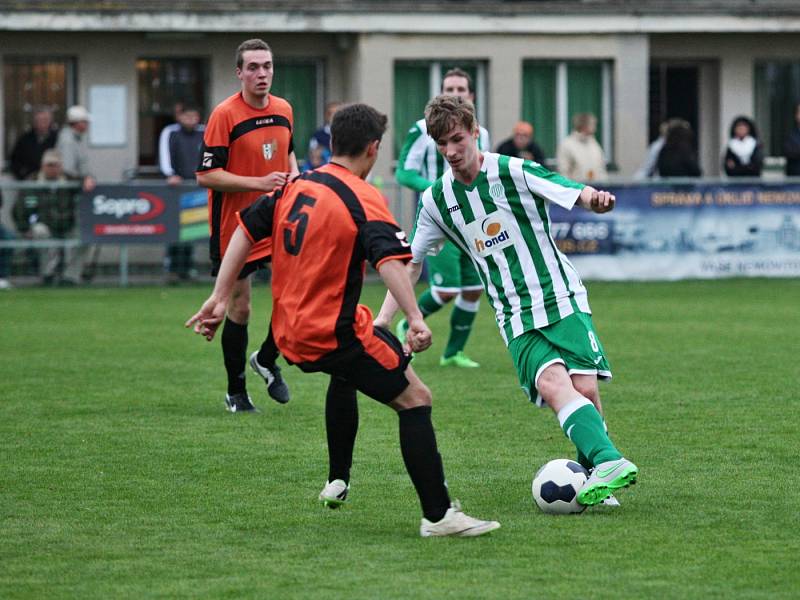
(677, 231)
(143, 214)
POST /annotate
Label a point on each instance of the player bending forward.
(496, 208)
(325, 225)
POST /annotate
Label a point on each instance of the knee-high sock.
(429, 302)
(268, 353)
(423, 462)
(584, 426)
(234, 350)
(585, 462)
(341, 425)
(461, 320)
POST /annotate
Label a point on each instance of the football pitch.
(122, 475)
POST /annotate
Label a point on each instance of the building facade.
(633, 64)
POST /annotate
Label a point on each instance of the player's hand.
(419, 336)
(208, 318)
(597, 200)
(274, 180)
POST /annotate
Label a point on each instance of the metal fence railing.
(47, 235)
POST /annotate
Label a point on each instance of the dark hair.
(456, 72)
(354, 127)
(742, 119)
(254, 44)
(443, 113)
(681, 138)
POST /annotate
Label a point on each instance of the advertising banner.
(679, 231)
(142, 214)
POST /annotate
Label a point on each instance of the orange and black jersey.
(248, 141)
(325, 225)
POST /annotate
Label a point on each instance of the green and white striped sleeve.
(412, 159)
(551, 186)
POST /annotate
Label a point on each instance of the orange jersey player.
(247, 150)
(325, 226)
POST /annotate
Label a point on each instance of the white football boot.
(334, 494)
(456, 523)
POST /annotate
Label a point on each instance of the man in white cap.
(73, 147)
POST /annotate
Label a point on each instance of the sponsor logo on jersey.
(207, 158)
(452, 209)
(494, 233)
(490, 234)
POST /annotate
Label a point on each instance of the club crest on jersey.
(489, 234)
(497, 191)
(270, 149)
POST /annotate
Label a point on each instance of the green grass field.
(122, 476)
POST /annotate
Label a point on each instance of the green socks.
(428, 303)
(584, 426)
(461, 320)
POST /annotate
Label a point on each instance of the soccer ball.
(556, 485)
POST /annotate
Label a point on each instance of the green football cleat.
(459, 359)
(605, 478)
(401, 329)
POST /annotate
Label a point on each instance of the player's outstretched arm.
(212, 312)
(597, 201)
(221, 180)
(390, 307)
(401, 292)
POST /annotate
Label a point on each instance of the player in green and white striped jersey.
(496, 208)
(451, 272)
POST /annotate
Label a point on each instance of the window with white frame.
(554, 91)
(416, 82)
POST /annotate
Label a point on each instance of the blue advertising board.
(686, 230)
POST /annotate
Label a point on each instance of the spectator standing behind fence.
(791, 148)
(744, 155)
(26, 157)
(49, 212)
(579, 155)
(521, 144)
(74, 148)
(678, 158)
(183, 147)
(319, 146)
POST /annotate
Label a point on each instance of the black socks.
(423, 462)
(234, 350)
(341, 424)
(269, 351)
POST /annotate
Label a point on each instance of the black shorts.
(247, 270)
(377, 368)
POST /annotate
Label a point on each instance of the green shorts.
(452, 270)
(572, 341)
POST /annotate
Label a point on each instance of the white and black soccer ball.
(556, 485)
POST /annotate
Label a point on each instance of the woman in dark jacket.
(744, 155)
(678, 157)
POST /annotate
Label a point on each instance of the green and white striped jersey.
(420, 163)
(502, 221)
